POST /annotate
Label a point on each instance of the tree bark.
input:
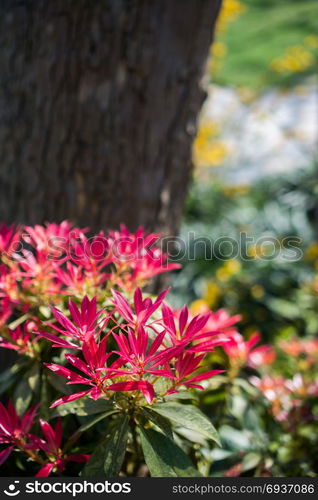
(98, 105)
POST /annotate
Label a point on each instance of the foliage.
(265, 405)
(106, 360)
(111, 380)
(267, 237)
(265, 42)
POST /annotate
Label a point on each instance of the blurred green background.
(256, 176)
(266, 42)
(264, 78)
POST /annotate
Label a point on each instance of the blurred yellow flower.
(211, 293)
(208, 129)
(236, 190)
(303, 364)
(254, 251)
(296, 59)
(209, 298)
(198, 306)
(229, 269)
(312, 41)
(312, 251)
(259, 251)
(208, 151)
(222, 275)
(218, 49)
(230, 10)
(246, 94)
(257, 291)
(233, 266)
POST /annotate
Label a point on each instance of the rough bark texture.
(98, 105)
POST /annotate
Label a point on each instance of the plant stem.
(34, 456)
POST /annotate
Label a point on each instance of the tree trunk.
(98, 104)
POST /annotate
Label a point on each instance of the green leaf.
(94, 421)
(184, 395)
(284, 308)
(26, 387)
(246, 386)
(233, 439)
(45, 396)
(238, 406)
(83, 407)
(188, 416)
(22, 396)
(250, 461)
(220, 454)
(45, 311)
(254, 423)
(158, 420)
(107, 459)
(33, 377)
(13, 325)
(191, 435)
(59, 384)
(163, 457)
(210, 398)
(9, 376)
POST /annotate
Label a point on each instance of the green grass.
(263, 32)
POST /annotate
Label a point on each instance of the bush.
(111, 380)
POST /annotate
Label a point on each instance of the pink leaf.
(4, 454)
(45, 471)
(142, 385)
(68, 399)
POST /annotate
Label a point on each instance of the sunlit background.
(256, 174)
(255, 168)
